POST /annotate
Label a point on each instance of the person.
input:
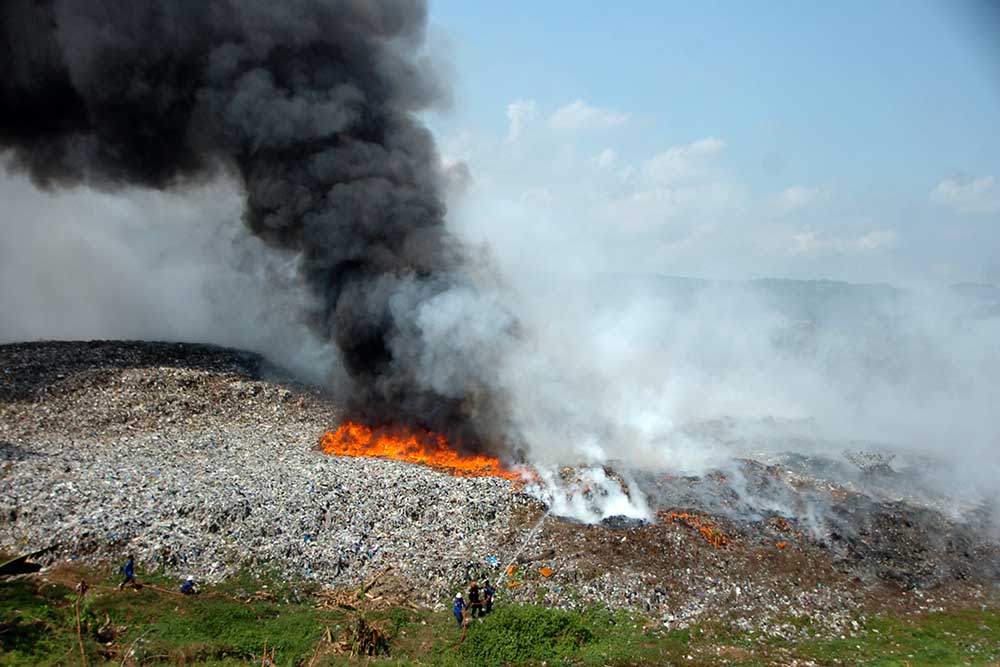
(188, 587)
(458, 609)
(488, 593)
(475, 604)
(341, 563)
(128, 569)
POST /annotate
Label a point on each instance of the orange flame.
(425, 448)
(708, 530)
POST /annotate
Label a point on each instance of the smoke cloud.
(535, 321)
(310, 106)
(619, 363)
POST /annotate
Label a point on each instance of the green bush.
(528, 634)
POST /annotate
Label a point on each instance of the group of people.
(479, 603)
(128, 569)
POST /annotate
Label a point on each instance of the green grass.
(936, 640)
(209, 629)
(31, 618)
(38, 627)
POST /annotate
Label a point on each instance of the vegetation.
(232, 624)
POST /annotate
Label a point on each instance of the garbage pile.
(203, 461)
(203, 465)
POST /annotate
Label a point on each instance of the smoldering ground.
(686, 376)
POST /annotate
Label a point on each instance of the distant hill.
(817, 301)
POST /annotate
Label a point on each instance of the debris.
(707, 528)
(871, 463)
(21, 564)
(186, 456)
(366, 638)
(192, 458)
(620, 522)
(268, 659)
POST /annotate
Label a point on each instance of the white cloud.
(798, 197)
(812, 240)
(605, 158)
(980, 196)
(666, 213)
(876, 239)
(682, 208)
(519, 113)
(579, 115)
(681, 162)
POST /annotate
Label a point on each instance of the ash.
(201, 460)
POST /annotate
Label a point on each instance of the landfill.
(203, 461)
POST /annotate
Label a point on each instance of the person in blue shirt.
(188, 587)
(488, 592)
(458, 608)
(128, 569)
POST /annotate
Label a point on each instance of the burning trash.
(423, 447)
(708, 529)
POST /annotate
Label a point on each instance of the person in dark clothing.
(458, 609)
(188, 587)
(341, 564)
(475, 604)
(128, 569)
(488, 593)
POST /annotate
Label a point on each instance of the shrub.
(522, 634)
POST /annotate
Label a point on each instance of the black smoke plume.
(309, 103)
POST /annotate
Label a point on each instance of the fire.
(708, 530)
(425, 448)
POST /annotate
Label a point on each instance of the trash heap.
(203, 461)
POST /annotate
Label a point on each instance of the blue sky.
(853, 140)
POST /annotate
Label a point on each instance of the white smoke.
(601, 358)
(615, 361)
(142, 264)
(588, 494)
(649, 373)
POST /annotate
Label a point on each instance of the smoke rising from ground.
(660, 373)
(142, 264)
(309, 105)
(299, 118)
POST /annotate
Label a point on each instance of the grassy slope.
(38, 627)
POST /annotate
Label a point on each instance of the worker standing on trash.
(128, 569)
(458, 609)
